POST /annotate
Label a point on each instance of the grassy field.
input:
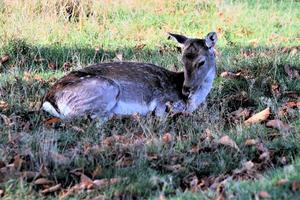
(211, 154)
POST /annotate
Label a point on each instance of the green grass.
(257, 38)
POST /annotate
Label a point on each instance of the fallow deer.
(123, 88)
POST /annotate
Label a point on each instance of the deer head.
(198, 58)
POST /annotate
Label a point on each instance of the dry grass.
(42, 37)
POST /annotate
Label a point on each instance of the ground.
(243, 143)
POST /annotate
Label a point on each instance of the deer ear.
(211, 39)
(179, 38)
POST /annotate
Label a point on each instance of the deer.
(110, 89)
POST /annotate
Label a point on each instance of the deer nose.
(186, 90)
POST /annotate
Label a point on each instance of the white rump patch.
(47, 106)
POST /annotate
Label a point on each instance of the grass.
(47, 39)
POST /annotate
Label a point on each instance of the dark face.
(198, 58)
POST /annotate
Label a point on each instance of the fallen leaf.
(227, 141)
(292, 50)
(264, 194)
(67, 66)
(4, 59)
(167, 138)
(253, 42)
(18, 162)
(43, 171)
(52, 189)
(86, 182)
(240, 114)
(101, 183)
(43, 181)
(250, 142)
(140, 46)
(3, 105)
(97, 172)
(51, 122)
(52, 66)
(259, 117)
(295, 185)
(230, 75)
(207, 135)
(275, 89)
(293, 104)
(291, 71)
(278, 124)
(281, 182)
(29, 175)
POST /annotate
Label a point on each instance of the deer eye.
(201, 63)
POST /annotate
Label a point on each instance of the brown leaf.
(259, 117)
(291, 71)
(275, 89)
(240, 114)
(52, 66)
(167, 137)
(52, 189)
(29, 175)
(18, 161)
(278, 124)
(51, 122)
(4, 58)
(43, 181)
(264, 194)
(3, 105)
(281, 182)
(230, 75)
(250, 142)
(85, 182)
(295, 185)
(253, 42)
(208, 135)
(97, 172)
(293, 104)
(227, 141)
(44, 172)
(67, 66)
(139, 46)
(101, 183)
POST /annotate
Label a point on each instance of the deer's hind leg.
(94, 96)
